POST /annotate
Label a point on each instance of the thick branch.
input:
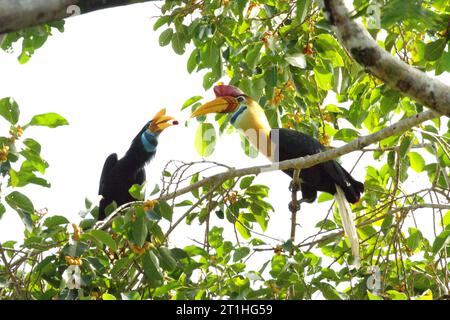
(298, 163)
(19, 14)
(408, 80)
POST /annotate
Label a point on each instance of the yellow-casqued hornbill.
(118, 176)
(280, 144)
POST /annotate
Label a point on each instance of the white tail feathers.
(348, 222)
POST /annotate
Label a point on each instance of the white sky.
(108, 75)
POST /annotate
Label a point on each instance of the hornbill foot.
(294, 206)
(298, 203)
(293, 186)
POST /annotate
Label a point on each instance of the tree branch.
(408, 80)
(405, 209)
(18, 14)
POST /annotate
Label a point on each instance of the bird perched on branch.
(118, 176)
(281, 144)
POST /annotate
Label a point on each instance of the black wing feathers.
(322, 177)
(108, 168)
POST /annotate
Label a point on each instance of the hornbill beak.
(160, 121)
(225, 104)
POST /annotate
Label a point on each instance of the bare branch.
(405, 209)
(394, 72)
(19, 14)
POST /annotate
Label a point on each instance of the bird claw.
(294, 206)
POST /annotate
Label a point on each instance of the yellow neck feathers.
(253, 123)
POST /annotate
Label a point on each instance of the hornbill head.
(246, 113)
(160, 122)
(151, 131)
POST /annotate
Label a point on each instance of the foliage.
(284, 54)
(32, 39)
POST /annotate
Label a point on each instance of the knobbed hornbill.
(119, 175)
(281, 144)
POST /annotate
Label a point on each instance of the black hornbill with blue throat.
(118, 176)
(280, 144)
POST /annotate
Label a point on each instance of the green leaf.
(209, 54)
(152, 270)
(441, 241)
(164, 210)
(443, 65)
(405, 145)
(246, 182)
(178, 43)
(253, 55)
(302, 9)
(324, 78)
(104, 238)
(209, 78)
(417, 161)
(54, 221)
(137, 191)
(215, 237)
(165, 37)
(34, 160)
(107, 296)
(258, 190)
(51, 120)
(120, 265)
(324, 196)
(205, 139)
(415, 238)
(372, 296)
(271, 76)
(387, 223)
(346, 135)
(243, 231)
(33, 145)
(240, 253)
(191, 101)
(329, 292)
(434, 50)
(17, 200)
(277, 264)
(326, 224)
(192, 61)
(166, 259)
(395, 295)
(139, 231)
(2, 210)
(9, 110)
(160, 22)
(445, 220)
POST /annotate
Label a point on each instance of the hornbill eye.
(240, 98)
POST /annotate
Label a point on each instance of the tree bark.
(362, 47)
(19, 14)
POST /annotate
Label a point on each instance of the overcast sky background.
(108, 76)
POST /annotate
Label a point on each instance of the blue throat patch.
(241, 109)
(147, 145)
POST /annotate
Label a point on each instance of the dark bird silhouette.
(280, 144)
(119, 175)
